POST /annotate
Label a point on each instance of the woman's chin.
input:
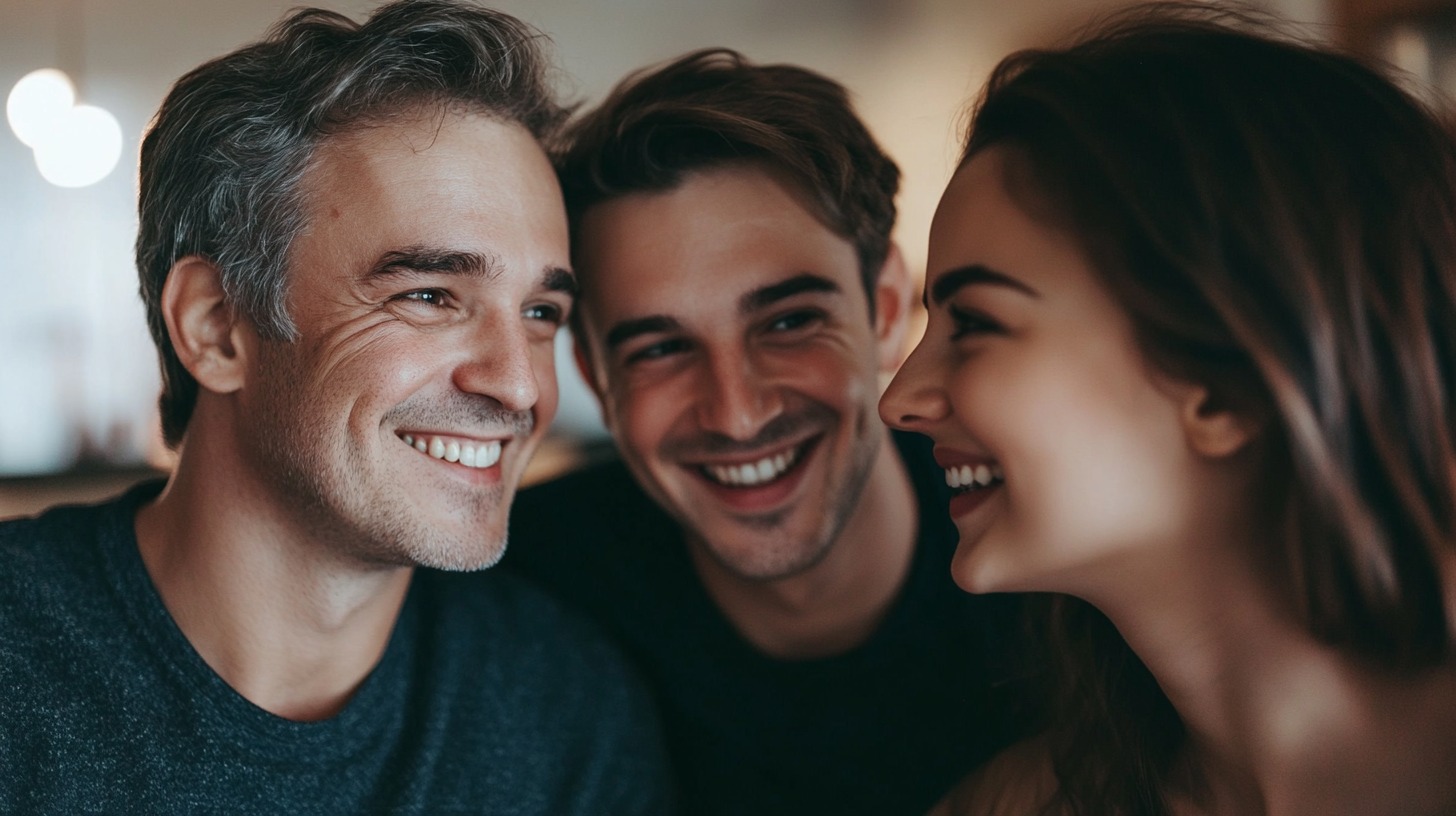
(975, 569)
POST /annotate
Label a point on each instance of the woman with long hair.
(1189, 367)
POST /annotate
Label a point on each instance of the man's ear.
(595, 380)
(893, 297)
(1213, 427)
(206, 335)
(584, 366)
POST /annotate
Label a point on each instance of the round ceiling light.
(37, 102)
(84, 146)
(74, 145)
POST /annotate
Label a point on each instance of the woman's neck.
(1278, 723)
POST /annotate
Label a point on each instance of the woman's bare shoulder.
(1017, 782)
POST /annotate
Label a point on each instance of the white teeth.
(755, 473)
(482, 455)
(973, 477)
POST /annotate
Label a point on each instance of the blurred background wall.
(78, 374)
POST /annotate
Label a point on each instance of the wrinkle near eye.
(340, 344)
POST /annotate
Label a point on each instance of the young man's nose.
(736, 398)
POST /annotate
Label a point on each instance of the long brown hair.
(1279, 222)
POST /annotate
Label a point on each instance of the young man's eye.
(969, 323)
(793, 320)
(657, 351)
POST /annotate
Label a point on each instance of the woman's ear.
(205, 332)
(893, 296)
(1212, 426)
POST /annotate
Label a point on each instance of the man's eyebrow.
(951, 282)
(768, 295)
(433, 260)
(556, 279)
(628, 329)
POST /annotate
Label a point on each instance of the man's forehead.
(710, 251)
(384, 153)
(464, 194)
(726, 207)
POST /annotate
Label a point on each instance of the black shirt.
(885, 728)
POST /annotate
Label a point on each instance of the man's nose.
(502, 366)
(737, 398)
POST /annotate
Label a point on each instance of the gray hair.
(222, 164)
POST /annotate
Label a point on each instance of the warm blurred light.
(37, 102)
(1408, 49)
(83, 147)
(74, 145)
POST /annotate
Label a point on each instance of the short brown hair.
(714, 107)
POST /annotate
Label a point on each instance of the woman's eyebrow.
(952, 281)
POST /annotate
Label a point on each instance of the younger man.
(778, 573)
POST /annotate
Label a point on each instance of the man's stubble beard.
(319, 481)
(786, 557)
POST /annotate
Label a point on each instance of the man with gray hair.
(353, 255)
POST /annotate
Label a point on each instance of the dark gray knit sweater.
(489, 699)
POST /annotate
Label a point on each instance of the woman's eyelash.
(966, 322)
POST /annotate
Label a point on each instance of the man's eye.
(428, 297)
(793, 320)
(548, 312)
(969, 322)
(657, 351)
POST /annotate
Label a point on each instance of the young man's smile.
(737, 363)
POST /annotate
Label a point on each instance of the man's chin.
(761, 557)
(463, 546)
(472, 558)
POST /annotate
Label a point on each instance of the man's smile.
(471, 453)
(757, 470)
